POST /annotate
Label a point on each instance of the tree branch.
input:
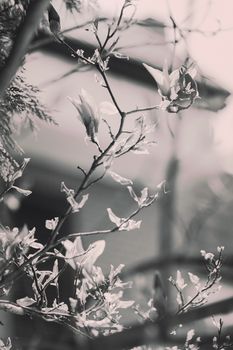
(148, 332)
(23, 38)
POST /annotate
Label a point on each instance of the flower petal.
(155, 73)
(122, 180)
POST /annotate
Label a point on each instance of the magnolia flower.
(88, 113)
(77, 257)
(177, 89)
(18, 241)
(163, 79)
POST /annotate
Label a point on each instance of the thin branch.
(82, 170)
(49, 39)
(91, 183)
(23, 38)
(148, 333)
(144, 109)
(122, 114)
(109, 129)
(9, 306)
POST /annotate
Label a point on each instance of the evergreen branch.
(22, 40)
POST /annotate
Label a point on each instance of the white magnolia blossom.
(177, 89)
(78, 258)
(88, 113)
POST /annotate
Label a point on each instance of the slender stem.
(204, 289)
(49, 39)
(144, 109)
(110, 90)
(111, 34)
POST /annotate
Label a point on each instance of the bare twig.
(144, 109)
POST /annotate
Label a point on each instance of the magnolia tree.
(93, 310)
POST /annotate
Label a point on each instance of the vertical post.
(166, 222)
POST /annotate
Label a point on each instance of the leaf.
(54, 20)
(54, 276)
(20, 171)
(62, 308)
(82, 292)
(115, 272)
(25, 301)
(161, 185)
(74, 250)
(83, 201)
(71, 200)
(180, 281)
(122, 223)
(118, 178)
(75, 205)
(92, 254)
(178, 299)
(66, 190)
(36, 245)
(7, 345)
(115, 219)
(193, 278)
(77, 257)
(144, 196)
(22, 191)
(133, 194)
(51, 224)
(155, 73)
(120, 55)
(190, 335)
(43, 276)
(130, 225)
(73, 304)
